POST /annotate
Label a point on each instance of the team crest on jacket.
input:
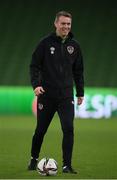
(52, 49)
(70, 49)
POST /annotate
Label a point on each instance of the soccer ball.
(47, 166)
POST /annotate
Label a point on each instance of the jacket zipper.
(62, 58)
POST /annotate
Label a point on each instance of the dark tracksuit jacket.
(54, 66)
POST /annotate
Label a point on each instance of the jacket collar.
(58, 38)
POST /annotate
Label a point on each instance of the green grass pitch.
(94, 155)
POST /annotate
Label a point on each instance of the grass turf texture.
(94, 155)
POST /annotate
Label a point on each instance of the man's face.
(63, 26)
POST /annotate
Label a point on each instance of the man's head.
(62, 23)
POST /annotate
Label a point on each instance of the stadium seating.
(24, 23)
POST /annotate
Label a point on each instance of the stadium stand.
(23, 23)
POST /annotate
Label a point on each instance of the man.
(56, 62)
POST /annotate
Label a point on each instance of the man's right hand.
(39, 90)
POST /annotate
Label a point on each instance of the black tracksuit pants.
(46, 108)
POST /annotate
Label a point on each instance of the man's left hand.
(80, 100)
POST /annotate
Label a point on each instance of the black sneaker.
(32, 164)
(67, 169)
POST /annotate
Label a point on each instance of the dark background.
(24, 22)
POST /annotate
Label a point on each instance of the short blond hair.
(62, 13)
